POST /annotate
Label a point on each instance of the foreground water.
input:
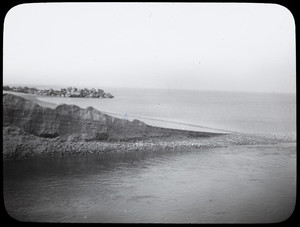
(233, 184)
(249, 183)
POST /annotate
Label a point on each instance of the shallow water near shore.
(233, 184)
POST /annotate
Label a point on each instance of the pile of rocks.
(63, 92)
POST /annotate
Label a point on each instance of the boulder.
(108, 95)
(63, 92)
(6, 88)
(100, 91)
(75, 94)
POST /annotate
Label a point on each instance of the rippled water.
(233, 184)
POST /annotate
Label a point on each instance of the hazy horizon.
(56, 86)
(193, 46)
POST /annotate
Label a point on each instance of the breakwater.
(71, 92)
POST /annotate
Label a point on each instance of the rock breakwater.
(63, 92)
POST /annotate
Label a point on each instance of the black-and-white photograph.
(149, 113)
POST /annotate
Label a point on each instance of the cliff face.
(82, 124)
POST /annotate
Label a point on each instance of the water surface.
(231, 111)
(233, 184)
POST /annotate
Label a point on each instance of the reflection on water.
(233, 184)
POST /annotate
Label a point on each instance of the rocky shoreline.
(18, 144)
(71, 92)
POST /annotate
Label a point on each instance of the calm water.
(242, 112)
(254, 183)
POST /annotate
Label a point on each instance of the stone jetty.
(63, 92)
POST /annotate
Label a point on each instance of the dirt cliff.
(81, 124)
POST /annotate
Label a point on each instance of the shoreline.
(18, 143)
(31, 129)
(169, 124)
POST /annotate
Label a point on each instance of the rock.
(75, 94)
(63, 92)
(108, 95)
(6, 88)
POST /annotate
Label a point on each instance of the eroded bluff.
(81, 124)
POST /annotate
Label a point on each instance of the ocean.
(233, 184)
(194, 110)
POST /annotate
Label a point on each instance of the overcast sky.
(233, 47)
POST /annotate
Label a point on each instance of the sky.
(198, 46)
